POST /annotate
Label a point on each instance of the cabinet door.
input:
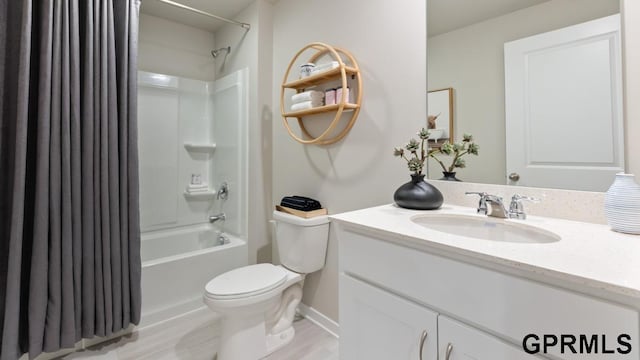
(375, 324)
(467, 343)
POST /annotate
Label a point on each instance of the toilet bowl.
(257, 303)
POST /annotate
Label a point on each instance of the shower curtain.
(69, 222)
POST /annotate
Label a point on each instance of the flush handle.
(423, 338)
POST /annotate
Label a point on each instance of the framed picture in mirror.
(440, 116)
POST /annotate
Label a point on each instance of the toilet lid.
(246, 281)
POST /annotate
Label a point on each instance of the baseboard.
(320, 319)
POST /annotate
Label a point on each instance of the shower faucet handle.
(223, 191)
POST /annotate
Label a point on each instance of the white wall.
(631, 56)
(471, 60)
(388, 41)
(252, 49)
(167, 47)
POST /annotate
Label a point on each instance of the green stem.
(444, 168)
(455, 159)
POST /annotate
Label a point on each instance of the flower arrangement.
(418, 152)
(415, 153)
(458, 150)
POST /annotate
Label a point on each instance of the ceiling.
(447, 15)
(225, 8)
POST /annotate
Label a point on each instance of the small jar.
(306, 70)
(330, 97)
(339, 92)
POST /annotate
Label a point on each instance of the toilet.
(257, 303)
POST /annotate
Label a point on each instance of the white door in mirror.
(563, 98)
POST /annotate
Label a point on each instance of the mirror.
(546, 118)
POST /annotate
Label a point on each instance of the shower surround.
(190, 129)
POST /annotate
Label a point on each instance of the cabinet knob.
(447, 355)
(423, 338)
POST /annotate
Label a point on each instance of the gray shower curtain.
(69, 222)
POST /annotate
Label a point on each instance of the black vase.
(449, 176)
(418, 194)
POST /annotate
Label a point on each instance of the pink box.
(339, 95)
(330, 97)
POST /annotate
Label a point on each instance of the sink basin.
(485, 228)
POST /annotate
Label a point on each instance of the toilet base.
(246, 338)
(276, 342)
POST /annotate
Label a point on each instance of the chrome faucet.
(496, 207)
(217, 217)
(516, 209)
(493, 205)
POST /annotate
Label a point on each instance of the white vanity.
(477, 291)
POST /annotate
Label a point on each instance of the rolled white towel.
(304, 106)
(325, 67)
(311, 95)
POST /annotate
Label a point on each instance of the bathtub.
(177, 264)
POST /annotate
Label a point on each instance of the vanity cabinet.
(375, 324)
(392, 290)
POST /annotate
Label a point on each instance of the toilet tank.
(301, 243)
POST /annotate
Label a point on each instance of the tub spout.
(216, 217)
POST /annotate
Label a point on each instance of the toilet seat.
(246, 282)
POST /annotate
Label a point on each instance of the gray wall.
(388, 40)
(471, 60)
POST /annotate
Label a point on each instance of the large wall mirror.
(538, 83)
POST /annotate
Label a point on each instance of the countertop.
(587, 255)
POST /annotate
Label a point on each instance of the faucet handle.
(516, 209)
(481, 193)
(482, 204)
(519, 198)
(223, 191)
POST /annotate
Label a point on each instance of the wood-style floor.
(195, 337)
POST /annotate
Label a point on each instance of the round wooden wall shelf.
(342, 72)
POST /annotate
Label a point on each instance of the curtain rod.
(185, 7)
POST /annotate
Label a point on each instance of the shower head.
(217, 52)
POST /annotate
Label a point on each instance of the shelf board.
(199, 195)
(319, 78)
(320, 110)
(200, 147)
